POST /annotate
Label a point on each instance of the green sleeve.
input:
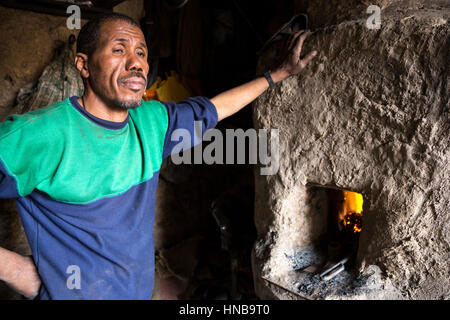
(25, 147)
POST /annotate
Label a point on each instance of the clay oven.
(371, 115)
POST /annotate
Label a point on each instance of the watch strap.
(269, 79)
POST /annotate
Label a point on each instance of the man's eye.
(117, 50)
(142, 54)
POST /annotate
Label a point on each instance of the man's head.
(112, 60)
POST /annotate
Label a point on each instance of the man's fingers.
(294, 38)
(308, 58)
(298, 46)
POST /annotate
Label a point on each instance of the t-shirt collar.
(101, 122)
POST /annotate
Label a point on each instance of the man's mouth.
(133, 83)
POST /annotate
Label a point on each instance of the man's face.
(118, 67)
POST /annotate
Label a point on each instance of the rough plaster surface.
(370, 114)
(27, 43)
(132, 8)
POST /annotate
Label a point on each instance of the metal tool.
(334, 270)
(285, 289)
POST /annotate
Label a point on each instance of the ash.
(306, 258)
(349, 284)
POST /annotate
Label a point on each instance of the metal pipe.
(285, 289)
(334, 273)
(334, 266)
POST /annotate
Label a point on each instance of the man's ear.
(81, 63)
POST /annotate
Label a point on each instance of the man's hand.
(293, 64)
(19, 273)
(231, 101)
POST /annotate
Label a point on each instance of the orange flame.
(350, 213)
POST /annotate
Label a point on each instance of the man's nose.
(134, 63)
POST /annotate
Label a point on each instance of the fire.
(354, 221)
(350, 213)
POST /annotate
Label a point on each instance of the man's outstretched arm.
(231, 101)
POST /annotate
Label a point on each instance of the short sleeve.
(188, 119)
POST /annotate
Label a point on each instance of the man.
(84, 171)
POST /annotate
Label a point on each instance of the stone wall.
(371, 115)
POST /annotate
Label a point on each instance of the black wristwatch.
(269, 79)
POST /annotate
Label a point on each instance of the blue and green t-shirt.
(85, 190)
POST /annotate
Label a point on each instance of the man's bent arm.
(19, 273)
(231, 101)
